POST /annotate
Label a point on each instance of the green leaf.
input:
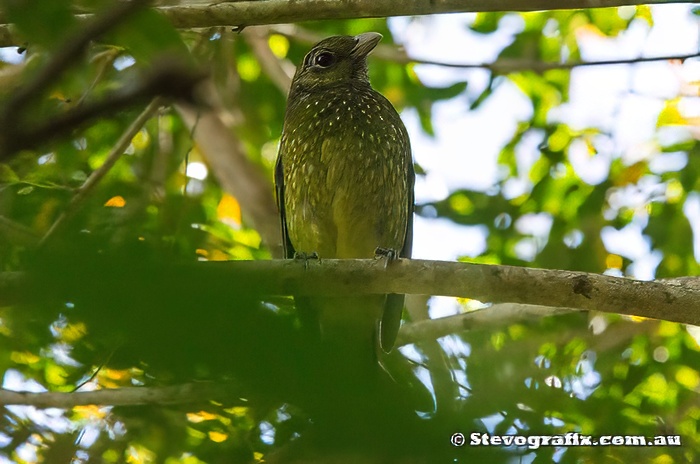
(148, 36)
(7, 175)
(31, 17)
(486, 23)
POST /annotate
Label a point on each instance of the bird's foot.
(303, 256)
(389, 254)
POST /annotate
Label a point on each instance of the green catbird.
(344, 180)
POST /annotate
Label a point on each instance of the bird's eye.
(324, 59)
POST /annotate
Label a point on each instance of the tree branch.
(66, 54)
(125, 396)
(171, 79)
(389, 52)
(676, 300)
(279, 74)
(97, 175)
(254, 12)
(495, 316)
(227, 158)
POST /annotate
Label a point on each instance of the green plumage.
(344, 181)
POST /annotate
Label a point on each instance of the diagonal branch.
(117, 151)
(67, 53)
(171, 79)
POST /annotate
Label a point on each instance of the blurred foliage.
(131, 318)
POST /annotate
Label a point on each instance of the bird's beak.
(365, 43)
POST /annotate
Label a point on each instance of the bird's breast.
(344, 171)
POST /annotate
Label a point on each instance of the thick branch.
(248, 13)
(255, 12)
(676, 300)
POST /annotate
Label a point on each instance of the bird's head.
(336, 61)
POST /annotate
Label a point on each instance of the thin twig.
(398, 55)
(176, 394)
(506, 66)
(97, 175)
(495, 316)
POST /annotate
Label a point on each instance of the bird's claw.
(303, 256)
(389, 254)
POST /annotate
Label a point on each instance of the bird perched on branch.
(344, 181)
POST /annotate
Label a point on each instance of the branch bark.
(676, 300)
(255, 12)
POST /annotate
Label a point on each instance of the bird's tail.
(348, 329)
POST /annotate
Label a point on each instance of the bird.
(344, 181)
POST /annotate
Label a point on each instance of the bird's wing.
(391, 318)
(279, 189)
(407, 249)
